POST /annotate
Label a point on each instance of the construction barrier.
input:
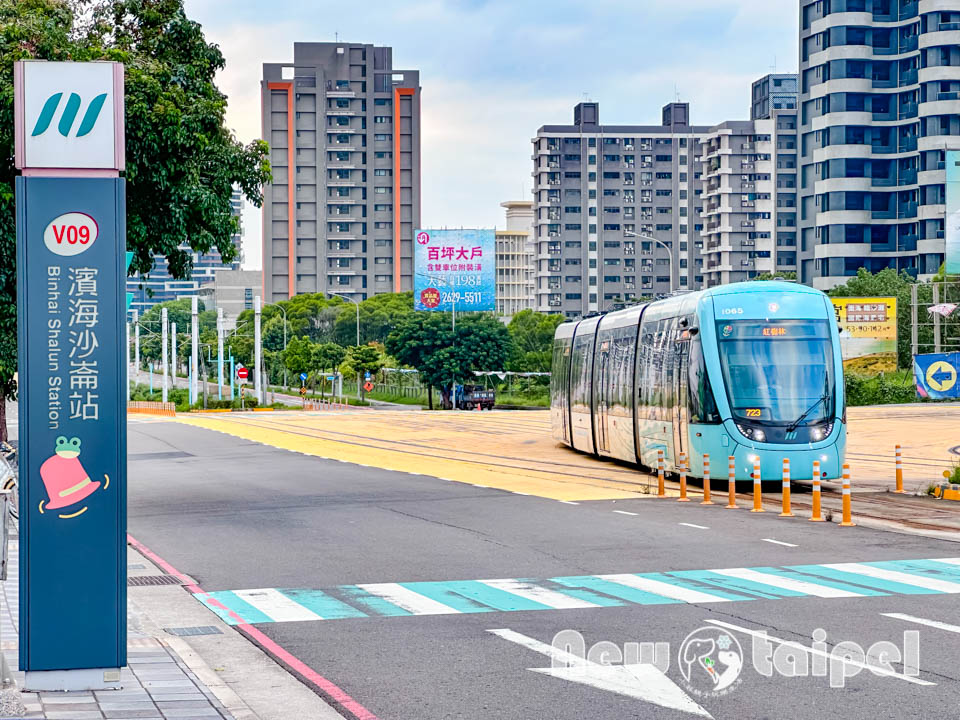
(785, 512)
(757, 492)
(706, 480)
(815, 515)
(661, 484)
(847, 519)
(145, 407)
(731, 483)
(683, 478)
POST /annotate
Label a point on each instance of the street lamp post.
(662, 244)
(357, 304)
(280, 308)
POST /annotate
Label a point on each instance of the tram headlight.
(755, 434)
(821, 432)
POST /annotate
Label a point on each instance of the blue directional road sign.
(936, 375)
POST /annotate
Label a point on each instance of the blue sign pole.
(151, 380)
(232, 372)
(71, 318)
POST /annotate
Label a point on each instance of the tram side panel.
(581, 372)
(656, 391)
(613, 382)
(560, 385)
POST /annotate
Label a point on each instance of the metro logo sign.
(68, 116)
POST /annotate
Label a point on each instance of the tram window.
(703, 404)
(580, 374)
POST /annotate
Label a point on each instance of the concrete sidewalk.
(157, 683)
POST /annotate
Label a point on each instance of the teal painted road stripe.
(923, 568)
(631, 595)
(225, 602)
(790, 575)
(890, 586)
(372, 604)
(327, 607)
(713, 581)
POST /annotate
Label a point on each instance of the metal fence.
(934, 332)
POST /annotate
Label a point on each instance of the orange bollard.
(706, 480)
(899, 471)
(786, 489)
(847, 520)
(661, 485)
(815, 515)
(757, 493)
(731, 483)
(683, 478)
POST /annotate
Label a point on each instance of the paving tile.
(182, 704)
(127, 714)
(179, 696)
(66, 698)
(74, 715)
(187, 713)
(70, 707)
(131, 705)
(155, 684)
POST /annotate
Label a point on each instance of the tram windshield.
(778, 372)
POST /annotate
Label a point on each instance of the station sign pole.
(71, 305)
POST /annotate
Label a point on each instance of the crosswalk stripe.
(820, 571)
(665, 589)
(802, 586)
(550, 598)
(276, 605)
(896, 576)
(407, 599)
(948, 561)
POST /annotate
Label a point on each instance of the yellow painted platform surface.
(514, 450)
(506, 450)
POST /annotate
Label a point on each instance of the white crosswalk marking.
(408, 599)
(664, 589)
(948, 561)
(896, 576)
(785, 583)
(276, 605)
(538, 594)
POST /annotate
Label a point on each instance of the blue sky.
(493, 71)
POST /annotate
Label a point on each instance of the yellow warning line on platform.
(497, 450)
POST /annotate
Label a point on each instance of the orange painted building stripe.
(397, 93)
(291, 192)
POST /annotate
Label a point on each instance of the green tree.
(182, 162)
(379, 315)
(443, 355)
(364, 359)
(328, 356)
(778, 275)
(532, 335)
(298, 357)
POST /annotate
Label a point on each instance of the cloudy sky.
(493, 71)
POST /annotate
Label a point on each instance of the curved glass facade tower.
(879, 105)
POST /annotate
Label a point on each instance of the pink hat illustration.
(64, 477)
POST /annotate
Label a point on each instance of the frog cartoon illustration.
(64, 477)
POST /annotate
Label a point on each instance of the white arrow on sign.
(640, 680)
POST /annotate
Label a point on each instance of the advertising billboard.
(953, 213)
(454, 270)
(868, 332)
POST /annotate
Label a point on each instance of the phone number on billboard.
(469, 298)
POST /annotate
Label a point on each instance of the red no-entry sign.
(243, 373)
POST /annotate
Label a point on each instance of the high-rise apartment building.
(617, 210)
(749, 175)
(516, 269)
(879, 105)
(344, 132)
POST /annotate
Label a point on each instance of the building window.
(382, 137)
(382, 119)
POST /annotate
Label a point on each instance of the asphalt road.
(237, 515)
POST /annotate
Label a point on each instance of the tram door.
(680, 417)
(602, 388)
